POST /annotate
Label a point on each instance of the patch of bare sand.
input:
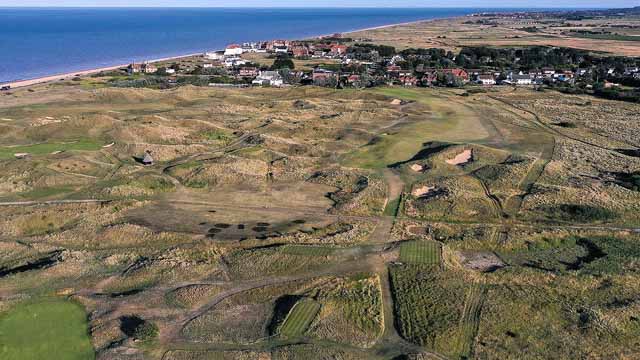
(461, 159)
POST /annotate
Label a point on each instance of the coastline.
(62, 76)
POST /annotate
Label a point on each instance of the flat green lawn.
(7, 152)
(420, 252)
(300, 318)
(52, 329)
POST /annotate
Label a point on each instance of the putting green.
(51, 329)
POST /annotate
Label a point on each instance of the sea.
(38, 42)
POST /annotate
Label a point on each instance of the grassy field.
(7, 152)
(53, 329)
(420, 252)
(300, 318)
(444, 122)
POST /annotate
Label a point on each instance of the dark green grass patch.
(53, 329)
(300, 318)
(420, 252)
(578, 213)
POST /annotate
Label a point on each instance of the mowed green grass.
(7, 152)
(420, 252)
(52, 329)
(443, 120)
(300, 318)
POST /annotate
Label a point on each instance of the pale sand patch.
(396, 102)
(461, 159)
(417, 168)
(423, 190)
(21, 155)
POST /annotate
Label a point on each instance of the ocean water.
(36, 42)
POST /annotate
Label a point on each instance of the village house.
(248, 72)
(233, 50)
(300, 51)
(322, 75)
(462, 74)
(338, 50)
(521, 79)
(134, 68)
(214, 55)
(268, 78)
(408, 80)
(486, 79)
(149, 68)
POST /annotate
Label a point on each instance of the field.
(300, 318)
(307, 222)
(418, 252)
(54, 328)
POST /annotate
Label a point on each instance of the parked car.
(5, 88)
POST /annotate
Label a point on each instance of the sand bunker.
(396, 102)
(21, 155)
(462, 158)
(423, 191)
(418, 168)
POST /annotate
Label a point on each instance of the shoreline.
(62, 76)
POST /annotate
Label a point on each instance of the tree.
(283, 62)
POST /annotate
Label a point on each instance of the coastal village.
(340, 62)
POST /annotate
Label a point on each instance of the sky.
(327, 3)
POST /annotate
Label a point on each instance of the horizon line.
(311, 7)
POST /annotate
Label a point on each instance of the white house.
(234, 61)
(524, 79)
(170, 71)
(233, 50)
(270, 78)
(486, 79)
(214, 55)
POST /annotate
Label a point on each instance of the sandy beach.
(57, 77)
(45, 79)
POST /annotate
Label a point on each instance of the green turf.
(7, 152)
(420, 252)
(53, 329)
(41, 193)
(300, 318)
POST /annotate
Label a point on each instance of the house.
(207, 66)
(548, 72)
(283, 49)
(170, 71)
(486, 79)
(300, 51)
(233, 50)
(214, 55)
(134, 68)
(322, 75)
(408, 80)
(518, 79)
(353, 78)
(268, 78)
(234, 61)
(248, 72)
(337, 50)
(149, 68)
(147, 159)
(458, 72)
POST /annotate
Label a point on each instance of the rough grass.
(300, 317)
(420, 252)
(53, 329)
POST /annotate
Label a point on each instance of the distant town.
(340, 62)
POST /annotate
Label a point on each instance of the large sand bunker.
(462, 158)
(423, 191)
